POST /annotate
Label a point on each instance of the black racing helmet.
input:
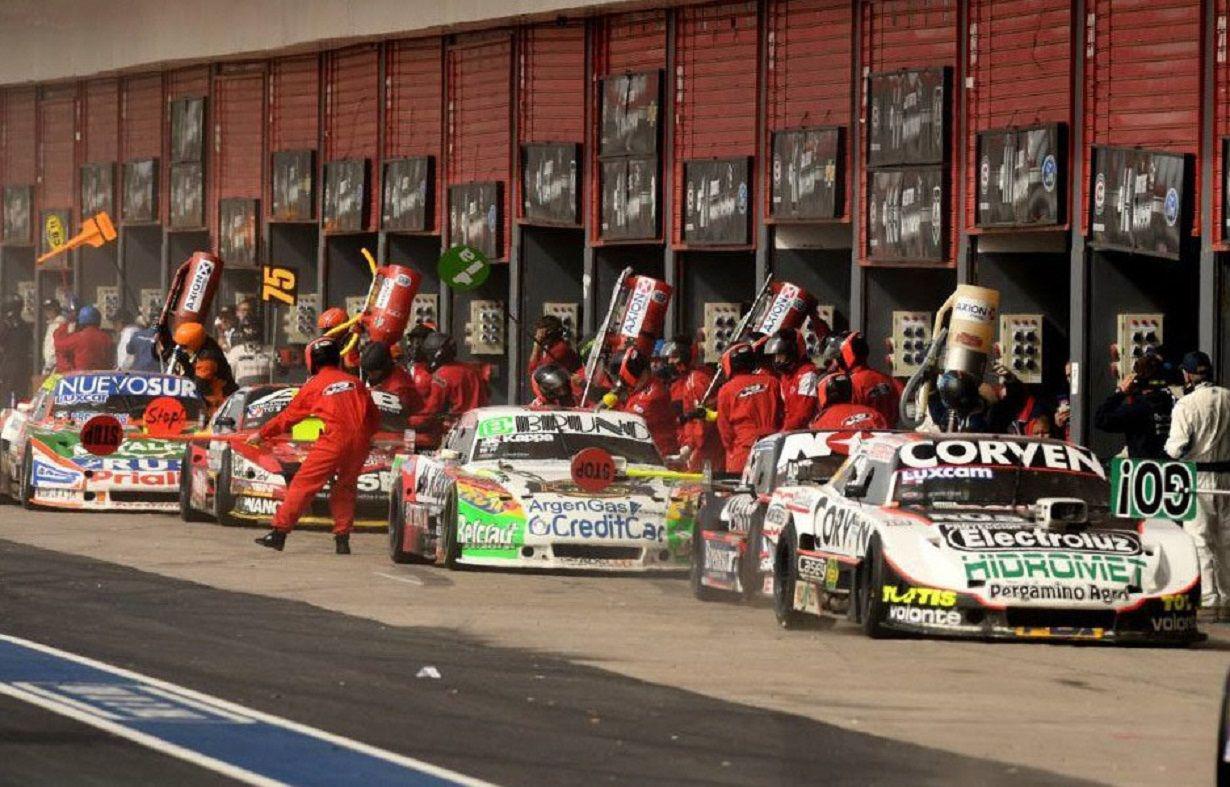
(438, 349)
(787, 342)
(835, 388)
(322, 352)
(739, 358)
(552, 383)
(376, 362)
(627, 367)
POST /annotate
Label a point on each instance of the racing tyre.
(397, 525)
(25, 487)
(186, 512)
(701, 591)
(871, 607)
(749, 566)
(785, 576)
(450, 550)
(224, 501)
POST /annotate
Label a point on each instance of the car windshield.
(264, 404)
(949, 485)
(813, 470)
(539, 446)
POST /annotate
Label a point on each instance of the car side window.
(232, 408)
(762, 470)
(881, 478)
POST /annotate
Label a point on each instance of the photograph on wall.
(717, 203)
(294, 179)
(808, 174)
(475, 217)
(1140, 200)
(907, 213)
(97, 189)
(187, 129)
(996, 161)
(408, 195)
(908, 117)
(631, 113)
(238, 225)
(140, 192)
(345, 195)
(187, 195)
(1020, 176)
(17, 202)
(629, 208)
(551, 184)
(54, 228)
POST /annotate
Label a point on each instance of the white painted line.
(202, 760)
(408, 579)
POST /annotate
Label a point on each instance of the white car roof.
(571, 419)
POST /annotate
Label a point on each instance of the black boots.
(342, 543)
(274, 539)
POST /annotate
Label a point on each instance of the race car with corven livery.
(976, 536)
(500, 492)
(43, 463)
(236, 483)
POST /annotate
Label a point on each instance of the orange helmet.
(331, 318)
(190, 335)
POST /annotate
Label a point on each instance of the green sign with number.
(463, 268)
(1148, 489)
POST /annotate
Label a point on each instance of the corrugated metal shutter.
(716, 77)
(631, 42)
(900, 34)
(101, 118)
(57, 151)
(294, 102)
(141, 117)
(551, 91)
(352, 113)
(1021, 71)
(239, 107)
(1221, 119)
(414, 108)
(1142, 84)
(479, 113)
(20, 137)
(188, 83)
(810, 49)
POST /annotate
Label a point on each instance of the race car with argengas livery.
(43, 462)
(236, 483)
(980, 536)
(732, 544)
(500, 493)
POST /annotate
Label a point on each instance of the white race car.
(500, 493)
(980, 536)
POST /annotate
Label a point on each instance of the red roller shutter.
(551, 92)
(238, 138)
(480, 113)
(1142, 82)
(101, 118)
(20, 137)
(716, 77)
(413, 112)
(57, 150)
(902, 34)
(631, 42)
(1221, 119)
(810, 49)
(294, 103)
(1020, 71)
(141, 118)
(352, 112)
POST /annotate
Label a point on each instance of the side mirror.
(225, 423)
(856, 488)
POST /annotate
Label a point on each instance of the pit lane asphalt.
(550, 678)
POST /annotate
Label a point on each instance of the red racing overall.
(343, 403)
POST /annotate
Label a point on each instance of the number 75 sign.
(1148, 489)
(279, 284)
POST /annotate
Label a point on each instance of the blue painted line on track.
(249, 745)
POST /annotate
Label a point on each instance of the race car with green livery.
(236, 484)
(500, 493)
(981, 537)
(44, 464)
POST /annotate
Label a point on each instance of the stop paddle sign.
(593, 469)
(102, 434)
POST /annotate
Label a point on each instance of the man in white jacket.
(1200, 433)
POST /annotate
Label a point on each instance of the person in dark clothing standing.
(16, 352)
(1140, 410)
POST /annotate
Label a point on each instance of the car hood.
(135, 452)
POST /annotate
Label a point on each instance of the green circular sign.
(463, 268)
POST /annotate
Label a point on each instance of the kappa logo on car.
(922, 597)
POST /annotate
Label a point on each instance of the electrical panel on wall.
(908, 346)
(355, 304)
(426, 308)
(568, 314)
(815, 344)
(299, 323)
(485, 330)
(720, 321)
(151, 303)
(1020, 345)
(107, 299)
(1136, 334)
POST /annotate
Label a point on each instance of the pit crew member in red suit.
(749, 404)
(797, 375)
(837, 412)
(350, 417)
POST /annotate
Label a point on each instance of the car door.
(845, 513)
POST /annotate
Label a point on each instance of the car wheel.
(224, 501)
(785, 576)
(749, 566)
(449, 550)
(701, 591)
(7, 492)
(872, 609)
(186, 512)
(25, 487)
(397, 525)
